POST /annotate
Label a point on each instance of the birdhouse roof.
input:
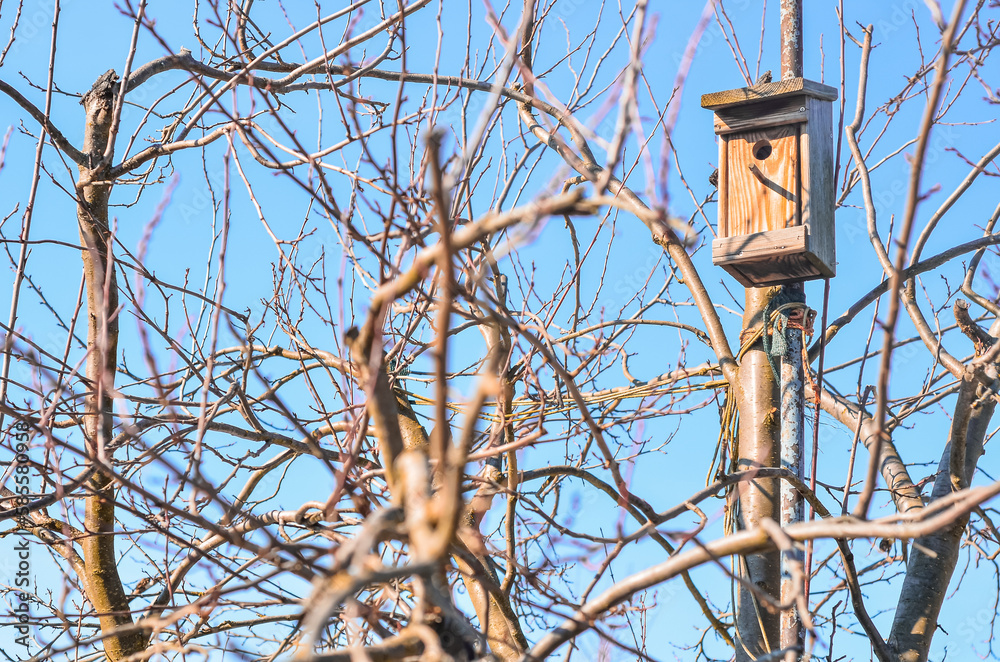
(742, 96)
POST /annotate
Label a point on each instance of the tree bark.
(904, 493)
(933, 557)
(757, 627)
(103, 584)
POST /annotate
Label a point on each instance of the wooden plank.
(745, 95)
(724, 125)
(769, 258)
(818, 187)
(760, 245)
(787, 110)
(761, 193)
(778, 271)
(723, 229)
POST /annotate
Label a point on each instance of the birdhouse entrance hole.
(761, 149)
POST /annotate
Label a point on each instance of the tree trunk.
(927, 575)
(102, 582)
(757, 627)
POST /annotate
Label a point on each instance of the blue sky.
(183, 242)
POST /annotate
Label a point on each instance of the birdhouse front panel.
(762, 169)
(776, 189)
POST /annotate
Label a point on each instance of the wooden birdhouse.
(776, 189)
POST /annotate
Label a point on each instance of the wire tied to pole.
(785, 311)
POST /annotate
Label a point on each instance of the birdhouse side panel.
(818, 187)
(762, 180)
(723, 187)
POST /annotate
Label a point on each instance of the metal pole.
(792, 438)
(792, 387)
(791, 39)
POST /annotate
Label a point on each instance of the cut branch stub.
(977, 334)
(382, 405)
